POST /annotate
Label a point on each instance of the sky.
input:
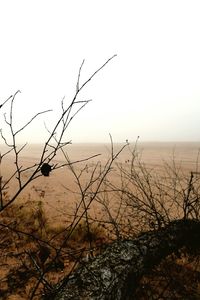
(150, 89)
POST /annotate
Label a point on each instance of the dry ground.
(50, 202)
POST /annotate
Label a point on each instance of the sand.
(60, 193)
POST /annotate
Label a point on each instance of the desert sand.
(55, 191)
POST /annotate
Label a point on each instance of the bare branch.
(1, 105)
(35, 116)
(79, 74)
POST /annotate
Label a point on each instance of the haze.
(151, 89)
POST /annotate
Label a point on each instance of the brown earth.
(60, 195)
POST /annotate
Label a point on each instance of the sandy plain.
(55, 191)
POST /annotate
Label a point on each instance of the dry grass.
(29, 246)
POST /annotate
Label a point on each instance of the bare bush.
(149, 219)
(26, 226)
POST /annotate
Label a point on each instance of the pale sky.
(151, 89)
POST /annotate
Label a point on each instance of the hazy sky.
(151, 89)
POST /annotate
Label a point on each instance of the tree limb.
(115, 273)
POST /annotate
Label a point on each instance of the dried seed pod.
(45, 169)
